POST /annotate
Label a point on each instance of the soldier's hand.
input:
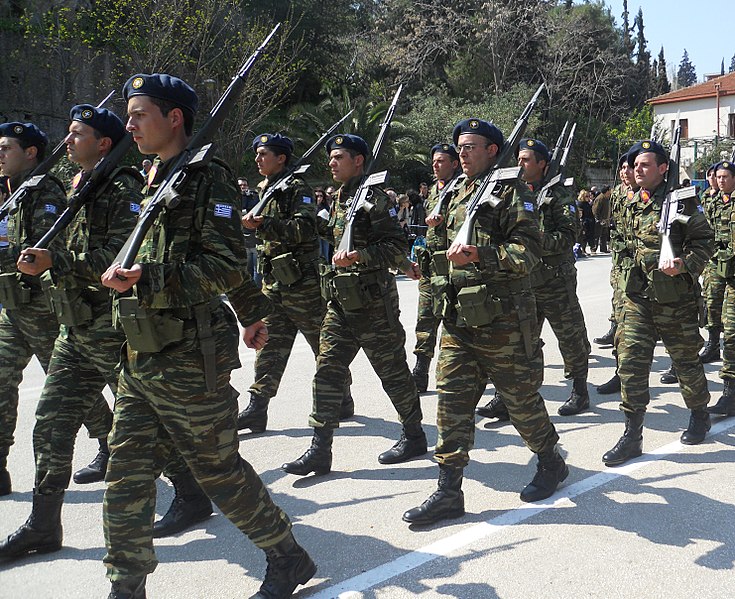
(434, 221)
(252, 222)
(121, 279)
(255, 335)
(672, 267)
(343, 258)
(461, 254)
(34, 262)
(413, 272)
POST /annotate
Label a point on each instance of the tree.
(686, 75)
(732, 64)
(627, 41)
(660, 80)
(722, 66)
(642, 77)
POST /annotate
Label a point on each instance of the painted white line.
(351, 588)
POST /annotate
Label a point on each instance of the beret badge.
(137, 83)
(725, 165)
(646, 145)
(18, 129)
(86, 113)
(339, 141)
(263, 139)
(474, 124)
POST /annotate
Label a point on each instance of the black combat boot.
(420, 372)
(711, 350)
(411, 444)
(6, 488)
(630, 445)
(190, 506)
(288, 566)
(41, 533)
(347, 409)
(255, 415)
(699, 424)
(669, 377)
(551, 470)
(128, 588)
(725, 406)
(609, 337)
(95, 471)
(316, 459)
(495, 408)
(578, 401)
(444, 503)
(611, 386)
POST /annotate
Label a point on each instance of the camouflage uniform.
(31, 328)
(508, 349)
(621, 195)
(86, 354)
(191, 256)
(660, 306)
(720, 212)
(713, 284)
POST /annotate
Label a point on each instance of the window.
(731, 125)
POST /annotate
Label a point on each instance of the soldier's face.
(476, 153)
(269, 163)
(649, 174)
(82, 146)
(344, 166)
(533, 170)
(725, 180)
(626, 175)
(443, 166)
(712, 178)
(152, 131)
(13, 158)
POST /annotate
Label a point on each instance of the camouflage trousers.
(155, 412)
(713, 290)
(84, 360)
(557, 302)
(23, 334)
(618, 297)
(377, 330)
(298, 308)
(468, 356)
(728, 323)
(427, 325)
(644, 322)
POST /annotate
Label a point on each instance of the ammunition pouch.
(326, 275)
(13, 292)
(632, 279)
(423, 258)
(286, 269)
(476, 307)
(666, 289)
(725, 264)
(147, 331)
(440, 264)
(439, 292)
(555, 260)
(67, 303)
(349, 291)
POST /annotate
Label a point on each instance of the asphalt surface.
(660, 526)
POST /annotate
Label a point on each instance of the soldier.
(489, 328)
(362, 312)
(27, 326)
(445, 164)
(713, 285)
(288, 255)
(660, 302)
(721, 214)
(174, 385)
(87, 349)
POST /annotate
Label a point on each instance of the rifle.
(369, 180)
(674, 195)
(499, 174)
(87, 186)
(298, 168)
(437, 210)
(555, 173)
(38, 175)
(197, 153)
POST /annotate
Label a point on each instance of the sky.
(680, 24)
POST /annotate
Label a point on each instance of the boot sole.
(621, 462)
(316, 471)
(35, 550)
(159, 533)
(450, 516)
(405, 458)
(88, 479)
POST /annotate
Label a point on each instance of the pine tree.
(732, 64)
(687, 75)
(643, 63)
(722, 67)
(627, 41)
(662, 79)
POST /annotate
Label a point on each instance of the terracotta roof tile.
(701, 90)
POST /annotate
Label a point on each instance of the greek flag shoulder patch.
(528, 206)
(572, 209)
(223, 210)
(134, 208)
(700, 208)
(306, 199)
(392, 212)
(50, 208)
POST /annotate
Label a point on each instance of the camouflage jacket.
(507, 236)
(436, 237)
(195, 251)
(379, 241)
(559, 225)
(692, 241)
(289, 222)
(719, 212)
(26, 227)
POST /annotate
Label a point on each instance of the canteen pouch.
(285, 269)
(423, 258)
(70, 308)
(666, 289)
(632, 279)
(147, 331)
(440, 264)
(476, 307)
(725, 264)
(13, 293)
(348, 291)
(326, 275)
(439, 296)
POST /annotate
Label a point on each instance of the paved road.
(661, 526)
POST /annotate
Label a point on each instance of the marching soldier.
(174, 384)
(445, 164)
(489, 328)
(362, 313)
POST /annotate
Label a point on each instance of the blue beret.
(274, 140)
(725, 165)
(445, 149)
(537, 146)
(622, 160)
(26, 133)
(644, 147)
(478, 127)
(347, 141)
(712, 167)
(101, 119)
(163, 87)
